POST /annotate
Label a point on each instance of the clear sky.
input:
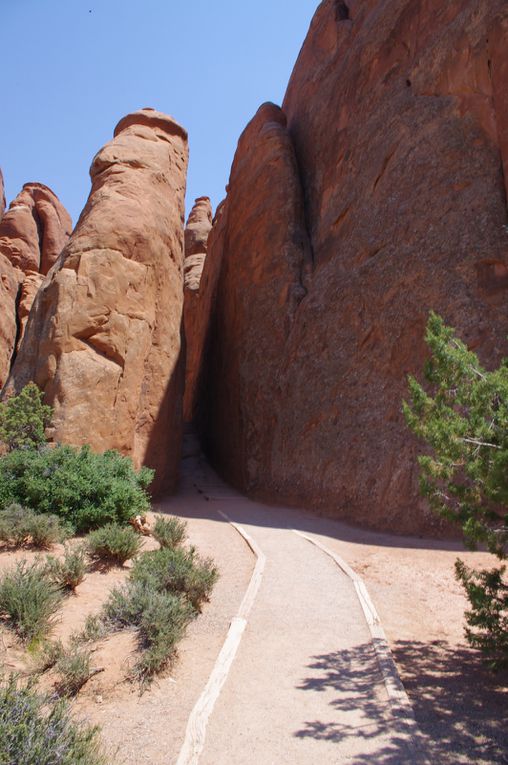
(69, 74)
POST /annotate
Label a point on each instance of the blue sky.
(69, 75)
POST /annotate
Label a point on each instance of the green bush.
(84, 489)
(67, 572)
(73, 669)
(113, 543)
(23, 419)
(33, 731)
(169, 532)
(177, 571)
(463, 419)
(19, 526)
(29, 599)
(487, 619)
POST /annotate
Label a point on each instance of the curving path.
(303, 677)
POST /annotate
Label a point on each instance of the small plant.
(44, 530)
(113, 543)
(20, 526)
(23, 419)
(67, 572)
(170, 532)
(160, 618)
(35, 731)
(85, 490)
(48, 655)
(13, 525)
(177, 571)
(73, 670)
(95, 628)
(29, 599)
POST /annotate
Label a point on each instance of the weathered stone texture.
(197, 230)
(33, 232)
(103, 339)
(397, 111)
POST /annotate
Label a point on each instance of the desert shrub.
(113, 543)
(48, 654)
(73, 670)
(177, 571)
(462, 417)
(29, 599)
(13, 524)
(33, 731)
(19, 526)
(169, 532)
(94, 629)
(84, 489)
(44, 530)
(160, 618)
(69, 571)
(23, 419)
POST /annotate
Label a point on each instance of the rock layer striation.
(103, 339)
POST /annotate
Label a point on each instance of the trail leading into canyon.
(305, 684)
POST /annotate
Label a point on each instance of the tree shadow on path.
(460, 707)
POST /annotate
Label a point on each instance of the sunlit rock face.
(377, 194)
(33, 233)
(103, 339)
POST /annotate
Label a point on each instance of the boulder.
(103, 338)
(397, 121)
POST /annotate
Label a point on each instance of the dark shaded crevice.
(18, 327)
(341, 11)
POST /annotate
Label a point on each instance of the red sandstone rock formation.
(398, 114)
(198, 227)
(103, 338)
(35, 229)
(2, 195)
(32, 234)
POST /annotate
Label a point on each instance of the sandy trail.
(305, 686)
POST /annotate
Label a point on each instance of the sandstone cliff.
(197, 230)
(383, 198)
(33, 232)
(103, 338)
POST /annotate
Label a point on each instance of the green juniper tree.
(463, 418)
(24, 418)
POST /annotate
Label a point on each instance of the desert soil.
(305, 686)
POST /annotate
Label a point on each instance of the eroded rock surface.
(35, 229)
(103, 338)
(197, 230)
(397, 112)
(33, 232)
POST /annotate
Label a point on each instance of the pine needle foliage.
(462, 416)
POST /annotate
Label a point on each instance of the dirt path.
(305, 686)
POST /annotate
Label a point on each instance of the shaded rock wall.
(390, 180)
(33, 232)
(103, 338)
(197, 230)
